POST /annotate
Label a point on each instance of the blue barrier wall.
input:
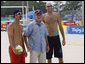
(75, 29)
(68, 29)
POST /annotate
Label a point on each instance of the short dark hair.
(16, 11)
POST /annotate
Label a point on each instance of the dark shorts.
(54, 45)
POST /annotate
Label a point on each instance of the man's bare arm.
(43, 18)
(27, 44)
(23, 44)
(23, 40)
(47, 45)
(47, 41)
(61, 29)
(60, 26)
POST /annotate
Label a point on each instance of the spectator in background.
(76, 19)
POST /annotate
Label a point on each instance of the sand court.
(73, 52)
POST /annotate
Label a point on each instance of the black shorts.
(54, 44)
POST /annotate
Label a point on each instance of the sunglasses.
(19, 13)
(49, 6)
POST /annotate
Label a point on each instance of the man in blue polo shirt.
(37, 39)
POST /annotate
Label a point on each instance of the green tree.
(69, 7)
(72, 6)
(37, 5)
(57, 5)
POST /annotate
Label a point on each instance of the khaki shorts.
(39, 57)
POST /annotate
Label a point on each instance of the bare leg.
(60, 60)
(49, 61)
